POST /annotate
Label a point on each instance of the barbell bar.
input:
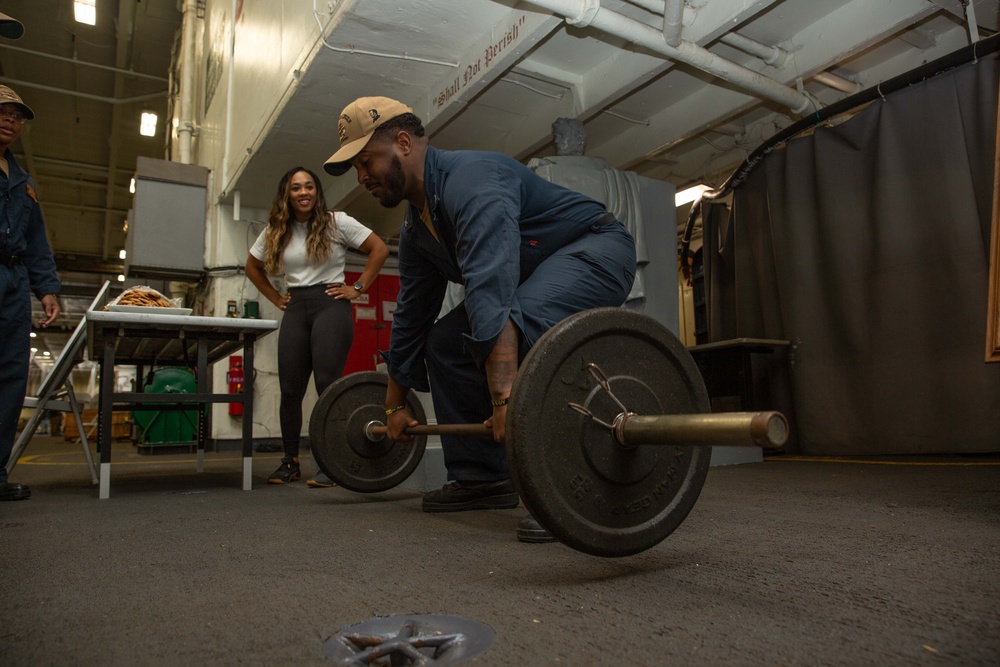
(723, 429)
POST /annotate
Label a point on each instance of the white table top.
(138, 345)
(175, 322)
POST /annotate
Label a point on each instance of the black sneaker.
(288, 471)
(529, 530)
(461, 496)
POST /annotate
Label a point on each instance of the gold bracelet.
(496, 403)
(389, 411)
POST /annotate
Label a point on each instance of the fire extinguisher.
(235, 379)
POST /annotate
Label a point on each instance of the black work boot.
(461, 496)
(288, 471)
(12, 491)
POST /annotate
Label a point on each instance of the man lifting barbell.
(529, 254)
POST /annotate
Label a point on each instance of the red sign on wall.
(372, 322)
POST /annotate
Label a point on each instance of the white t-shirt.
(299, 272)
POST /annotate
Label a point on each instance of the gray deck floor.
(786, 562)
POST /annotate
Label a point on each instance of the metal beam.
(88, 264)
(82, 207)
(77, 93)
(76, 61)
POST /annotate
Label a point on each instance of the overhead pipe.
(838, 82)
(677, 14)
(585, 13)
(673, 22)
(771, 55)
(230, 88)
(185, 124)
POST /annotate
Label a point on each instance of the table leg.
(104, 422)
(248, 343)
(202, 389)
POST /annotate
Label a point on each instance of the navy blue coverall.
(525, 249)
(26, 266)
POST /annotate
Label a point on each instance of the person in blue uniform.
(529, 253)
(26, 266)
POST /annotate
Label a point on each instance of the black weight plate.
(337, 435)
(589, 492)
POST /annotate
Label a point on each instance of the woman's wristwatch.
(360, 286)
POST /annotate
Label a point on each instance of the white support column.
(185, 125)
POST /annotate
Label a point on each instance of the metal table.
(152, 338)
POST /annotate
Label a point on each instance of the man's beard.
(395, 182)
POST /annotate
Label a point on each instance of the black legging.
(315, 337)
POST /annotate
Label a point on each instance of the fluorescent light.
(34, 349)
(121, 278)
(131, 186)
(46, 353)
(147, 126)
(85, 11)
(121, 254)
(689, 195)
(33, 334)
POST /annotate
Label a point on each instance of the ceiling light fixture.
(121, 277)
(147, 126)
(121, 254)
(85, 11)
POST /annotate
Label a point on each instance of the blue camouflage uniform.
(524, 249)
(26, 266)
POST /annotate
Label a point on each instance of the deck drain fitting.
(400, 641)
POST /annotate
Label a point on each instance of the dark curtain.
(866, 244)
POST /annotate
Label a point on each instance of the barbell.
(609, 432)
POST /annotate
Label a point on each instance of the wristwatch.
(360, 286)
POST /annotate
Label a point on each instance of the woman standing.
(309, 244)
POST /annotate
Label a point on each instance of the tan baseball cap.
(8, 96)
(10, 27)
(357, 124)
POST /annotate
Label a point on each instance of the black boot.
(12, 491)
